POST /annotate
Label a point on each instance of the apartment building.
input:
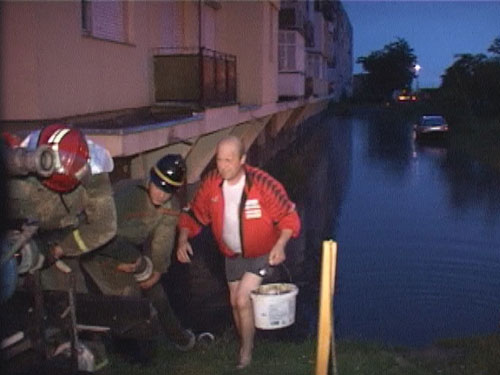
(315, 52)
(144, 78)
(339, 67)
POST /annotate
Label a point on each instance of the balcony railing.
(191, 75)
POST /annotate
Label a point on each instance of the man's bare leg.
(243, 312)
(233, 292)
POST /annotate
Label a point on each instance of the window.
(287, 51)
(105, 19)
(315, 67)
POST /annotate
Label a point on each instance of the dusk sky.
(436, 30)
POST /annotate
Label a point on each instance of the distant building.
(315, 49)
(144, 78)
(340, 67)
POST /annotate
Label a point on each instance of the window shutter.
(108, 20)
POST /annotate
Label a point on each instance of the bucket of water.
(274, 305)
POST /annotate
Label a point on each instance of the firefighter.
(147, 213)
(73, 207)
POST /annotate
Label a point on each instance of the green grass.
(220, 357)
(472, 356)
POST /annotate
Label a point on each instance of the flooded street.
(418, 236)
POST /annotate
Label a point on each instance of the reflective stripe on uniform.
(79, 241)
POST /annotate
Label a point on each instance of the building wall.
(270, 53)
(209, 26)
(18, 70)
(243, 31)
(61, 72)
(167, 24)
(64, 72)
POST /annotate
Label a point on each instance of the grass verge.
(471, 356)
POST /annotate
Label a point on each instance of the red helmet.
(72, 156)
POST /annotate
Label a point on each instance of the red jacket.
(265, 210)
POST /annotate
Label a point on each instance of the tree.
(495, 47)
(389, 69)
(472, 84)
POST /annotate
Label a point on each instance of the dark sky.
(436, 30)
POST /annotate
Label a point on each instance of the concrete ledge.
(143, 133)
(122, 142)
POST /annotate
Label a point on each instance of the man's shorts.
(237, 266)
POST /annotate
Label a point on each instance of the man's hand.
(277, 254)
(184, 249)
(129, 267)
(184, 252)
(149, 283)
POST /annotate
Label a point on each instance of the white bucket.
(274, 305)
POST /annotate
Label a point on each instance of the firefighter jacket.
(265, 210)
(146, 226)
(80, 221)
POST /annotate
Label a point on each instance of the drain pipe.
(199, 26)
(200, 56)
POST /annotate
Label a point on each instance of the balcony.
(193, 76)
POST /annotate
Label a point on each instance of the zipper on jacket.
(241, 209)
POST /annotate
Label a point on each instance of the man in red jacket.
(252, 220)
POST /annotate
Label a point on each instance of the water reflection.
(388, 140)
(418, 247)
(472, 185)
(322, 151)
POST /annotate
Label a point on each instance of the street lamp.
(416, 69)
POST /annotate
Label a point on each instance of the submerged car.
(430, 126)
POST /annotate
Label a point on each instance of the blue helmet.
(169, 173)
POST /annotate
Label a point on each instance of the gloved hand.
(143, 272)
(149, 283)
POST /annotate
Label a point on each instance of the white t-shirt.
(231, 226)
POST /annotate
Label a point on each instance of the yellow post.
(332, 293)
(325, 320)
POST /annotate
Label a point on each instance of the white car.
(430, 125)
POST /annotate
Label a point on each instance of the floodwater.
(418, 233)
(417, 228)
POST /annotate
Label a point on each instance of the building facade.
(145, 78)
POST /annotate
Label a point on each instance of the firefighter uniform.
(142, 229)
(80, 221)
